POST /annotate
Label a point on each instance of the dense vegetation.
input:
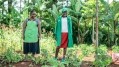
(83, 14)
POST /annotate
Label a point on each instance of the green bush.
(115, 48)
(10, 56)
(101, 58)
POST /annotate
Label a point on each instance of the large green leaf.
(78, 6)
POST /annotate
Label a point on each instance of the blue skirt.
(33, 48)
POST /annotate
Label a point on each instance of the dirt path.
(26, 64)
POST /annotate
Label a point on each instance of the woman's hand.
(39, 37)
(22, 37)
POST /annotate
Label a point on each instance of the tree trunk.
(28, 8)
(96, 23)
(93, 31)
(67, 2)
(84, 33)
(86, 0)
(20, 6)
(9, 10)
(85, 26)
(55, 1)
(114, 31)
(79, 37)
(33, 2)
(9, 6)
(2, 6)
(108, 38)
(25, 1)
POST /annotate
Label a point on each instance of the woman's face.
(33, 14)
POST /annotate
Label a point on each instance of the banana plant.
(111, 19)
(75, 13)
(39, 6)
(54, 13)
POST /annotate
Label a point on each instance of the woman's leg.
(57, 51)
(64, 52)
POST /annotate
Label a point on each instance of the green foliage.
(109, 17)
(10, 37)
(102, 59)
(72, 57)
(47, 60)
(55, 63)
(11, 19)
(81, 12)
(115, 48)
(11, 56)
(87, 50)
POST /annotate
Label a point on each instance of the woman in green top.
(31, 34)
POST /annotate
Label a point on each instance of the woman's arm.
(39, 29)
(23, 28)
